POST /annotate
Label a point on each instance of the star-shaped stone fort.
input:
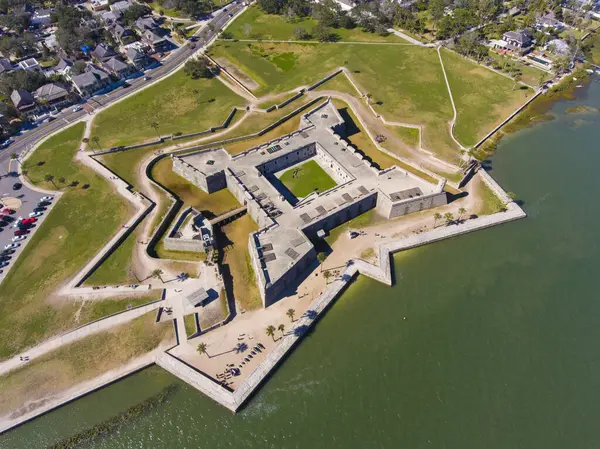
(282, 249)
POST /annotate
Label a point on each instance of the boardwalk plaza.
(282, 249)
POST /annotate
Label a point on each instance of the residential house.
(518, 41)
(52, 94)
(91, 81)
(121, 6)
(146, 23)
(548, 21)
(155, 41)
(5, 66)
(138, 58)
(99, 5)
(117, 68)
(23, 101)
(110, 17)
(122, 34)
(50, 42)
(63, 67)
(30, 64)
(103, 52)
(41, 18)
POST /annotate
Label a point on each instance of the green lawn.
(82, 360)
(81, 222)
(189, 322)
(94, 310)
(339, 83)
(255, 24)
(529, 74)
(483, 98)
(410, 136)
(307, 178)
(177, 104)
(117, 268)
(406, 82)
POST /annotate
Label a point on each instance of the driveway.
(28, 199)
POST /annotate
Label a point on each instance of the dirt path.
(453, 121)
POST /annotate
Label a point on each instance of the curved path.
(453, 121)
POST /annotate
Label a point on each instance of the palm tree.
(202, 349)
(13, 157)
(49, 178)
(321, 258)
(461, 212)
(157, 273)
(437, 216)
(271, 331)
(327, 275)
(290, 313)
(448, 217)
(155, 126)
(62, 180)
(281, 328)
(517, 80)
(96, 140)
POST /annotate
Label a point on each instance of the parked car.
(12, 245)
(77, 108)
(28, 220)
(147, 78)
(6, 143)
(6, 252)
(21, 232)
(8, 211)
(35, 214)
(17, 186)
(3, 264)
(46, 198)
(39, 209)
(18, 238)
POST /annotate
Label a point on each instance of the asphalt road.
(29, 138)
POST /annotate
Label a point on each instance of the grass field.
(530, 75)
(237, 258)
(76, 228)
(117, 268)
(94, 310)
(304, 179)
(177, 104)
(406, 83)
(483, 98)
(189, 322)
(339, 83)
(80, 361)
(255, 24)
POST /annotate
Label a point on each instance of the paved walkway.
(410, 39)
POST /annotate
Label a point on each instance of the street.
(29, 138)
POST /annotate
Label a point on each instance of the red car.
(26, 221)
(8, 211)
(21, 232)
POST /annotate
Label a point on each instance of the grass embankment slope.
(255, 24)
(306, 179)
(77, 362)
(406, 83)
(482, 98)
(177, 103)
(82, 221)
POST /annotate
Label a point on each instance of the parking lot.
(25, 201)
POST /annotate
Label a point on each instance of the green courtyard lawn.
(304, 179)
(255, 24)
(482, 97)
(81, 222)
(177, 104)
(94, 310)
